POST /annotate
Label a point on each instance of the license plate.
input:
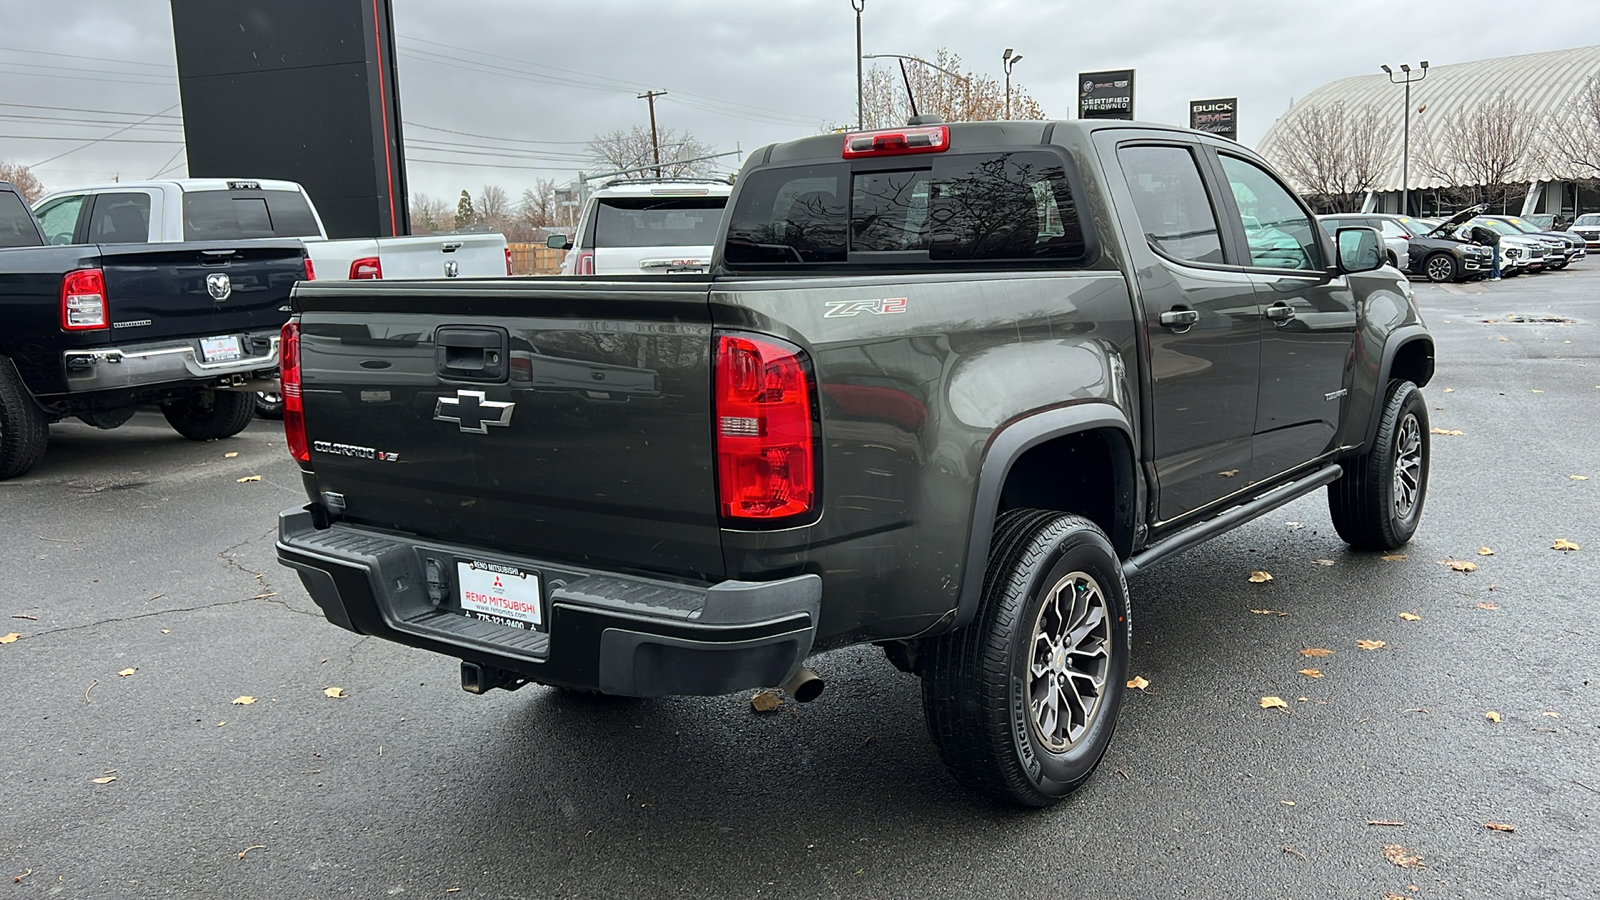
(504, 595)
(686, 270)
(220, 349)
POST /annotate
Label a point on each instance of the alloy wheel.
(1069, 661)
(1440, 269)
(1407, 467)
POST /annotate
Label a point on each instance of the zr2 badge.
(844, 309)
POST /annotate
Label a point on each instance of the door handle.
(467, 353)
(1180, 318)
(1279, 312)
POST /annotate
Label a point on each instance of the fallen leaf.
(1411, 617)
(1503, 340)
(1229, 474)
(249, 478)
(765, 701)
(1311, 673)
(1536, 391)
(1492, 716)
(1400, 856)
(451, 890)
(1273, 703)
(104, 779)
(248, 849)
(128, 671)
(1487, 606)
(17, 879)
(1564, 545)
(1499, 826)
(1459, 565)
(1260, 577)
(1316, 651)
(243, 701)
(1579, 477)
(1322, 562)
(230, 454)
(1371, 645)
(1392, 557)
(1551, 715)
(1386, 823)
(1449, 390)
(1138, 683)
(222, 723)
(1485, 551)
(1269, 612)
(335, 692)
(166, 631)
(10, 638)
(1446, 431)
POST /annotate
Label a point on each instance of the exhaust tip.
(804, 686)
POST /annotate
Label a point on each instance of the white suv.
(646, 226)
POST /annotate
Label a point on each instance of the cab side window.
(1279, 233)
(1170, 199)
(120, 219)
(59, 219)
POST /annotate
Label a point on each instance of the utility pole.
(655, 142)
(861, 106)
(1405, 145)
(1007, 60)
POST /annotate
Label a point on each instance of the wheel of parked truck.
(108, 419)
(1377, 504)
(24, 428)
(210, 415)
(269, 404)
(1023, 701)
(1441, 268)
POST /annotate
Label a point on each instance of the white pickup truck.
(199, 209)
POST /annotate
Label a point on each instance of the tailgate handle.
(472, 353)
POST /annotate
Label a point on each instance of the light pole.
(861, 106)
(1405, 145)
(1007, 60)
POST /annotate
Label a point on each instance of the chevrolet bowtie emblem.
(473, 411)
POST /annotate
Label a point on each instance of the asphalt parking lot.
(135, 551)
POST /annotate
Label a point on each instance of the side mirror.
(1360, 249)
(558, 242)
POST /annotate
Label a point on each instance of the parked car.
(1548, 221)
(943, 388)
(94, 330)
(1436, 257)
(198, 209)
(1570, 246)
(651, 226)
(1554, 249)
(1396, 242)
(1518, 255)
(1587, 226)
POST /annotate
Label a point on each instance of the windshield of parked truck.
(657, 221)
(1588, 219)
(1522, 225)
(238, 214)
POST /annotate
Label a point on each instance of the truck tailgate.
(589, 440)
(172, 290)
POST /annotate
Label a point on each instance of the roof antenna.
(909, 95)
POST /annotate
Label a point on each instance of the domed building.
(1511, 132)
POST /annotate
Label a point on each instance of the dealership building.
(1545, 87)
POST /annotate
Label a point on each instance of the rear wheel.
(1022, 703)
(1377, 504)
(24, 428)
(1441, 268)
(210, 415)
(269, 404)
(108, 419)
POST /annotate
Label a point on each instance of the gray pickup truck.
(943, 389)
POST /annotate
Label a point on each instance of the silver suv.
(646, 226)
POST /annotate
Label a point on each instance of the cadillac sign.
(1218, 117)
(1105, 95)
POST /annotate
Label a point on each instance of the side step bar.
(1199, 534)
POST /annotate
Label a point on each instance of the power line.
(441, 162)
(174, 158)
(104, 112)
(106, 140)
(488, 136)
(81, 69)
(82, 123)
(131, 62)
(76, 78)
(111, 137)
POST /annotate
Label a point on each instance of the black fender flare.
(1398, 339)
(1006, 446)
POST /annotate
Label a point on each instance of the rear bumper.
(619, 634)
(165, 362)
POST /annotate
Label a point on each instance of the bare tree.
(494, 208)
(967, 98)
(1331, 153)
(1573, 134)
(22, 179)
(1483, 151)
(620, 150)
(429, 214)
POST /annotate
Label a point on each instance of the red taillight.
(508, 262)
(900, 141)
(766, 439)
(311, 271)
(585, 263)
(368, 268)
(294, 411)
(83, 301)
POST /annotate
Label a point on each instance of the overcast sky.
(739, 74)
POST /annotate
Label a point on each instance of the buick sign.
(218, 286)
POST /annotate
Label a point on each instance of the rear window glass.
(16, 226)
(120, 218)
(658, 221)
(236, 215)
(1005, 206)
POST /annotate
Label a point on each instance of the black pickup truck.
(94, 330)
(944, 387)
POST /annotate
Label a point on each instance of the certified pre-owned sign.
(1105, 95)
(1219, 117)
